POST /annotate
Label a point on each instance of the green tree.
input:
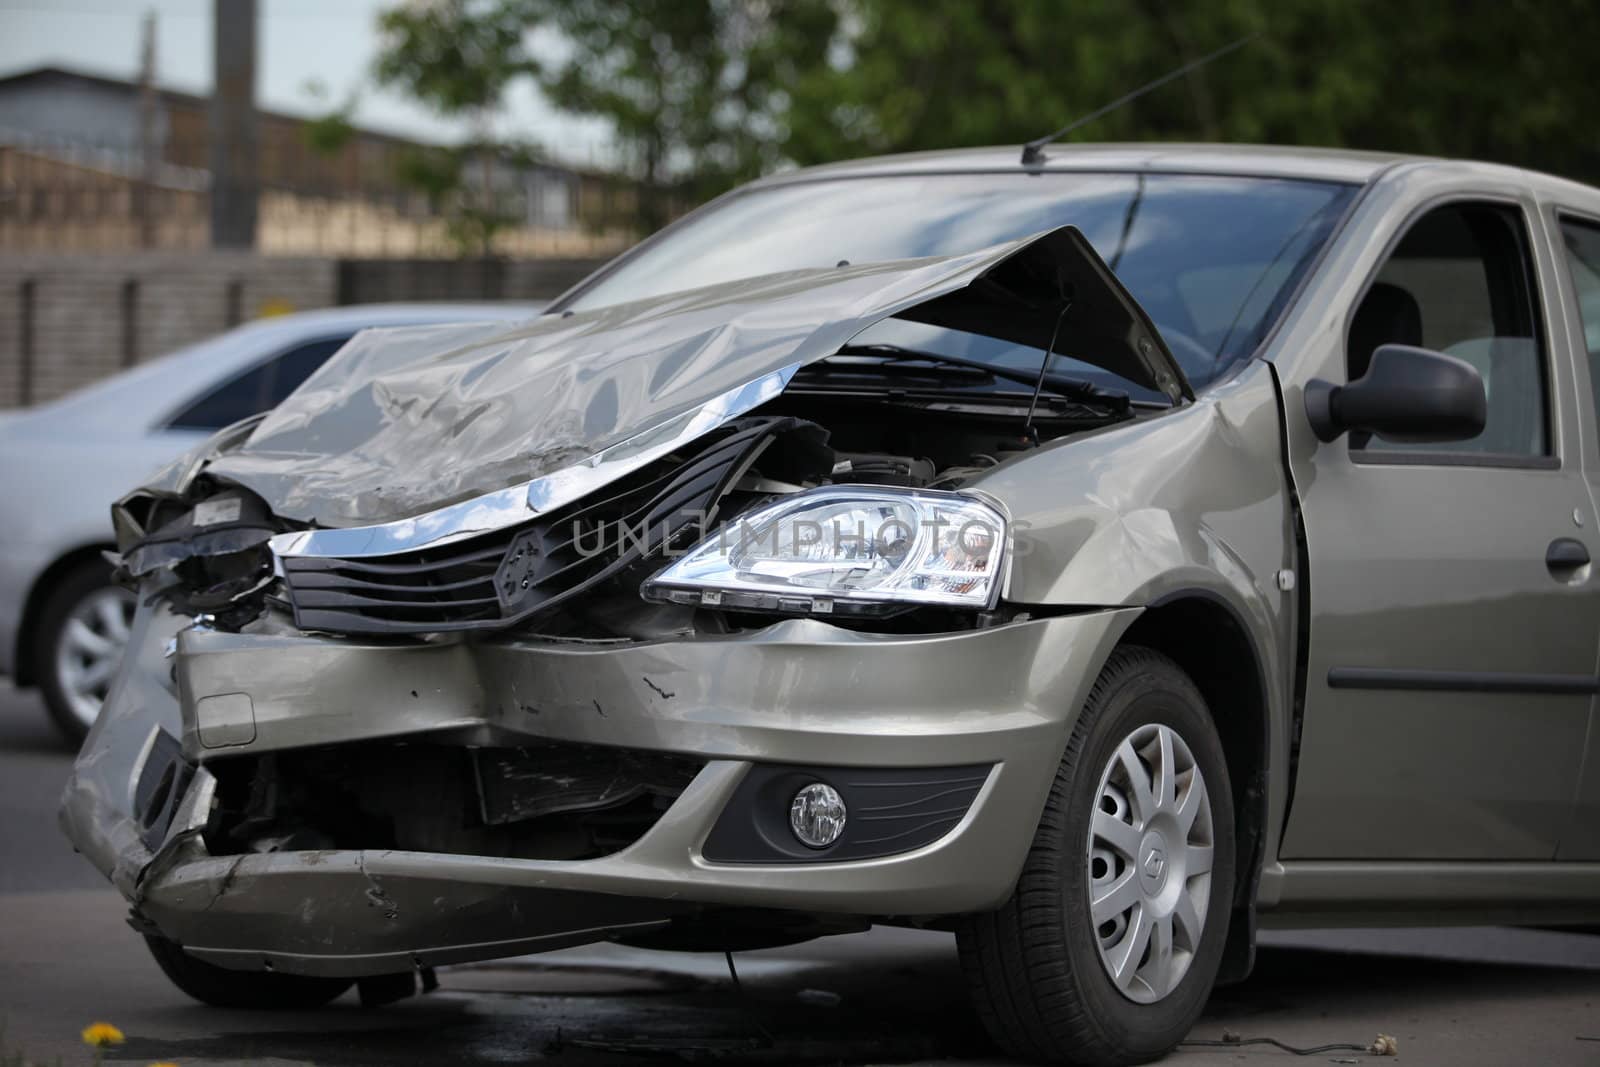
(695, 89)
(458, 57)
(705, 93)
(1507, 81)
(329, 133)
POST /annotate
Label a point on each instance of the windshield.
(1212, 259)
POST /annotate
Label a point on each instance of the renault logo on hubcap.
(1155, 864)
(1152, 863)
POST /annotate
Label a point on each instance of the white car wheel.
(82, 635)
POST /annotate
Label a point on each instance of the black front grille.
(503, 577)
(453, 585)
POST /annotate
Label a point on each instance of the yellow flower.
(100, 1035)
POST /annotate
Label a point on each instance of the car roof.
(1268, 161)
(1349, 166)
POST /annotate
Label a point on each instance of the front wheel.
(1109, 946)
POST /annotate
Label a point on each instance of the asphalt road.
(1459, 997)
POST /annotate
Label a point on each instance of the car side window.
(238, 398)
(298, 364)
(1582, 241)
(257, 389)
(1461, 282)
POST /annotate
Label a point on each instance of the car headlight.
(848, 549)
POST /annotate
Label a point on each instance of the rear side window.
(1582, 241)
(262, 387)
(1461, 282)
(298, 364)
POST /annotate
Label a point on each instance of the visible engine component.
(868, 468)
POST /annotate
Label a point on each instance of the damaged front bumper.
(959, 734)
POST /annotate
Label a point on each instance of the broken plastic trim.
(516, 504)
(224, 524)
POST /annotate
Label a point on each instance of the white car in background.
(63, 625)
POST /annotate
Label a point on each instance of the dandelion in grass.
(99, 1035)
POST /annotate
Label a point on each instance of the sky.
(298, 41)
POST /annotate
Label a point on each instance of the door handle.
(1565, 554)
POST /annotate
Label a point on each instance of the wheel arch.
(1208, 638)
(33, 606)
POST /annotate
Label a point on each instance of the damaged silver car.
(1094, 556)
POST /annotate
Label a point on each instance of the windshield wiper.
(1060, 384)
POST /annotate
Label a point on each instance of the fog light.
(816, 815)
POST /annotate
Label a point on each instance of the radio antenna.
(1033, 151)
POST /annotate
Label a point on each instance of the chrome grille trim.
(516, 504)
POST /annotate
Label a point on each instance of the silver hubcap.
(1149, 861)
(90, 649)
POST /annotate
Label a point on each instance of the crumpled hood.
(403, 421)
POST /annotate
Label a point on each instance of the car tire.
(66, 658)
(1039, 968)
(251, 990)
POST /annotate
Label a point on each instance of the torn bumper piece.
(994, 705)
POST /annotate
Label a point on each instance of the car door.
(1578, 235)
(1453, 622)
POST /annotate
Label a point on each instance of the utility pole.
(149, 163)
(235, 164)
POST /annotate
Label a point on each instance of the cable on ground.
(1382, 1045)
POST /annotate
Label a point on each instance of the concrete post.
(235, 147)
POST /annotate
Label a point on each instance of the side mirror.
(1408, 394)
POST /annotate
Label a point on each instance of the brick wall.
(66, 320)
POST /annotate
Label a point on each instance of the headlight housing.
(846, 549)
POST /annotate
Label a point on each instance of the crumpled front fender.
(98, 808)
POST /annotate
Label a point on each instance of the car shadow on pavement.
(898, 1013)
(906, 1006)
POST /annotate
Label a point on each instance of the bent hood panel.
(407, 420)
